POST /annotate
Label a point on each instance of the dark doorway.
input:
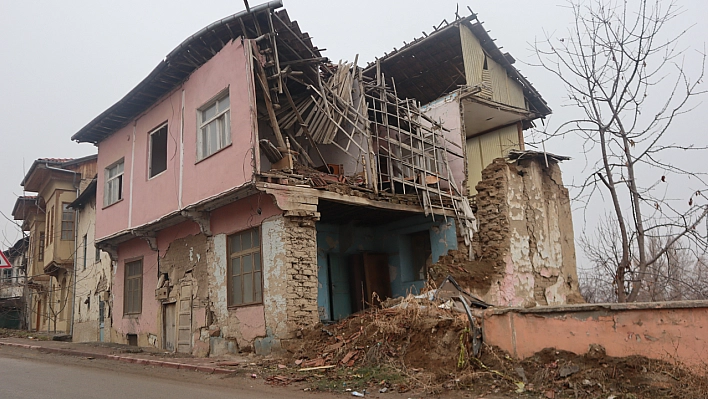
(369, 275)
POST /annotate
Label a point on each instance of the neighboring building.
(248, 188)
(92, 305)
(12, 286)
(51, 227)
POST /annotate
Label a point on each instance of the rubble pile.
(471, 275)
(559, 374)
(428, 342)
(414, 334)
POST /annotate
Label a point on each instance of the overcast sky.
(63, 63)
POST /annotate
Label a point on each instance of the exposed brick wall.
(301, 265)
(493, 238)
(525, 234)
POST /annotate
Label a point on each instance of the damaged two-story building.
(249, 188)
(51, 227)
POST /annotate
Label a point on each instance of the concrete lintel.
(305, 196)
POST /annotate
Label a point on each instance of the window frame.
(257, 287)
(42, 240)
(52, 216)
(202, 124)
(85, 250)
(108, 181)
(131, 310)
(67, 212)
(150, 150)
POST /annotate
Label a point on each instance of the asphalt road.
(30, 374)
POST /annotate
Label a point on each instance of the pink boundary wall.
(673, 331)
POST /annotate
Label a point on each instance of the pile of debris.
(432, 342)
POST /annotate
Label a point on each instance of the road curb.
(125, 359)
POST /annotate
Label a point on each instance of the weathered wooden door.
(184, 323)
(101, 320)
(170, 326)
(341, 297)
(39, 314)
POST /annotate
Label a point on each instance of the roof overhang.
(190, 55)
(42, 168)
(177, 217)
(24, 206)
(482, 116)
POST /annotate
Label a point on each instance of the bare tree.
(630, 84)
(678, 274)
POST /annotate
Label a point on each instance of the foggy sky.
(63, 63)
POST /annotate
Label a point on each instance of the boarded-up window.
(133, 292)
(245, 277)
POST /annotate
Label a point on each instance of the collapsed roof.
(433, 66)
(430, 65)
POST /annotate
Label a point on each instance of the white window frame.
(150, 153)
(107, 194)
(222, 119)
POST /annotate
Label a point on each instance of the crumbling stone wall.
(289, 257)
(301, 268)
(526, 233)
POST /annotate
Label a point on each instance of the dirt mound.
(412, 335)
(560, 374)
(418, 345)
(471, 275)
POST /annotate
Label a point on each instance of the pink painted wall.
(243, 214)
(447, 110)
(232, 166)
(166, 236)
(114, 217)
(145, 322)
(251, 321)
(676, 332)
(229, 168)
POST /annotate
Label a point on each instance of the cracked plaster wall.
(526, 230)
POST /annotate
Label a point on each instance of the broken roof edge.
(84, 135)
(488, 44)
(418, 41)
(18, 248)
(516, 155)
(83, 198)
